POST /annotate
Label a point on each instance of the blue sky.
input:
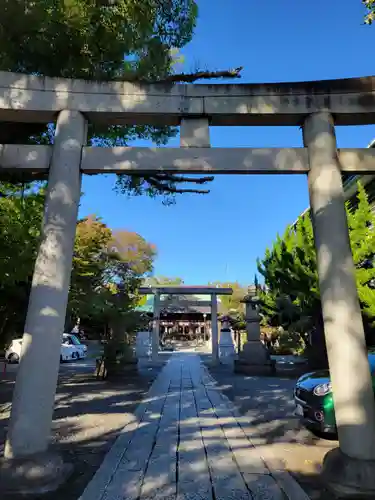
(220, 235)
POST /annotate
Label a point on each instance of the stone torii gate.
(157, 291)
(315, 106)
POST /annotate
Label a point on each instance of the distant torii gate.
(212, 291)
(315, 106)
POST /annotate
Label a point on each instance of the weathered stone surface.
(264, 487)
(188, 444)
(38, 99)
(36, 475)
(348, 477)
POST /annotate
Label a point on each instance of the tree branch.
(167, 188)
(181, 178)
(187, 77)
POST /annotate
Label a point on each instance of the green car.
(314, 402)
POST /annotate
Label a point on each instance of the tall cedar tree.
(292, 298)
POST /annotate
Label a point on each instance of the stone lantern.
(227, 348)
(254, 357)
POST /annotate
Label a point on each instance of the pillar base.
(348, 477)
(33, 475)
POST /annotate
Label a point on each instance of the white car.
(71, 348)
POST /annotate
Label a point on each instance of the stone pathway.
(187, 443)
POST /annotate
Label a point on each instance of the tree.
(90, 261)
(231, 303)
(108, 268)
(135, 250)
(104, 282)
(361, 221)
(163, 281)
(95, 40)
(370, 8)
(126, 40)
(289, 271)
(292, 297)
(21, 211)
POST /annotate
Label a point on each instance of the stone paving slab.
(188, 443)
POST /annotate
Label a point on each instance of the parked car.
(13, 351)
(314, 402)
(71, 348)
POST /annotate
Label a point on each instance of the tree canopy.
(370, 8)
(129, 40)
(231, 303)
(94, 40)
(291, 297)
(163, 280)
(108, 266)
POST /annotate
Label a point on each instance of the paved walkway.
(187, 443)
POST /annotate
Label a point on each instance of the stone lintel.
(35, 159)
(31, 158)
(184, 303)
(30, 98)
(216, 160)
(195, 160)
(184, 290)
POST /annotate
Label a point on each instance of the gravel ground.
(88, 417)
(268, 402)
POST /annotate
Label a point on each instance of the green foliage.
(370, 11)
(163, 280)
(289, 271)
(290, 342)
(108, 267)
(230, 304)
(291, 297)
(94, 40)
(361, 223)
(20, 218)
(21, 210)
(126, 40)
(237, 321)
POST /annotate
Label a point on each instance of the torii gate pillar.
(349, 469)
(156, 328)
(34, 393)
(214, 330)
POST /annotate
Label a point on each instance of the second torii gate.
(157, 291)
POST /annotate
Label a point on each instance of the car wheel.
(13, 358)
(61, 359)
